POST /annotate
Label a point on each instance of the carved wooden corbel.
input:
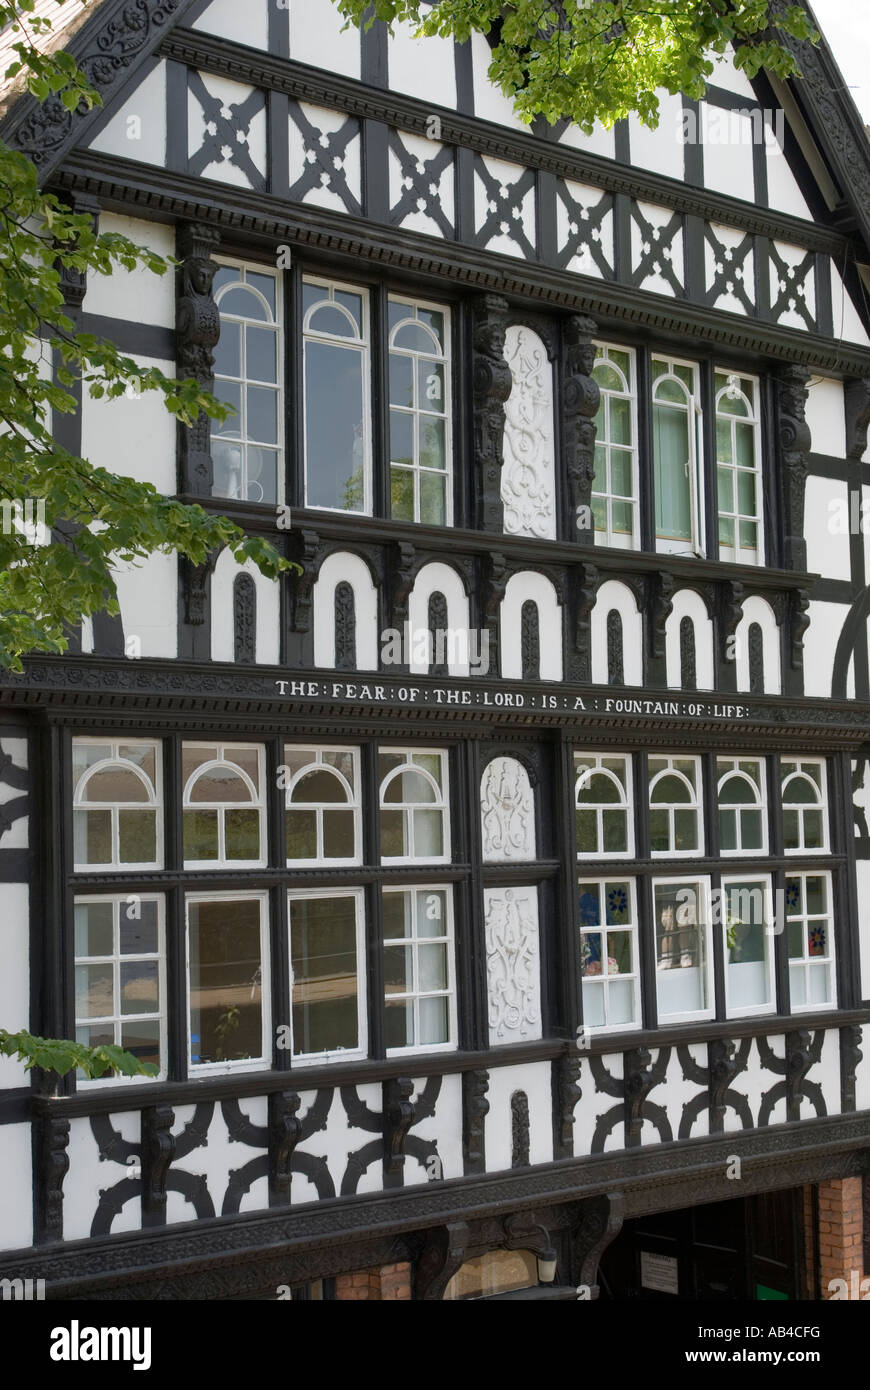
(442, 1255)
(158, 1151)
(285, 1131)
(568, 1093)
(857, 400)
(399, 1115)
(491, 387)
(722, 1069)
(580, 400)
(794, 441)
(307, 554)
(475, 1108)
(52, 1138)
(661, 606)
(799, 622)
(197, 330)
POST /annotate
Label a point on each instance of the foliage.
(598, 60)
(60, 1056)
(91, 518)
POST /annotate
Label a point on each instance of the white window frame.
(361, 344)
(415, 994)
(249, 1063)
(760, 786)
(338, 1054)
(606, 537)
(801, 806)
(154, 802)
(764, 880)
(257, 803)
(694, 465)
(408, 808)
(275, 325)
(696, 805)
(806, 961)
(689, 1015)
(117, 1019)
(587, 765)
(353, 805)
(600, 883)
(741, 554)
(415, 412)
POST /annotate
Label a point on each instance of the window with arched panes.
(804, 811)
(246, 448)
(677, 434)
(674, 812)
(614, 487)
(336, 404)
(223, 809)
(738, 462)
(117, 811)
(603, 805)
(742, 805)
(413, 806)
(322, 815)
(420, 412)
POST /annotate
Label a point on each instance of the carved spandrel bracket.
(850, 1058)
(580, 400)
(639, 1081)
(799, 622)
(158, 1150)
(399, 1115)
(197, 325)
(441, 1256)
(285, 1132)
(722, 1069)
(475, 1108)
(308, 555)
(491, 387)
(566, 1095)
(52, 1168)
(661, 606)
(600, 1223)
(794, 442)
(403, 568)
(587, 579)
(857, 400)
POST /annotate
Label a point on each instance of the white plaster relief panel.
(528, 478)
(513, 966)
(507, 811)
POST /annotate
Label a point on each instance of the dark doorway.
(750, 1248)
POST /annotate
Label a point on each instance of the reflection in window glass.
(602, 794)
(116, 804)
(747, 921)
(420, 442)
(336, 371)
(614, 489)
(608, 953)
(418, 968)
(225, 950)
(413, 806)
(224, 811)
(674, 785)
(742, 805)
(246, 448)
(682, 948)
(119, 984)
(322, 815)
(328, 972)
(738, 478)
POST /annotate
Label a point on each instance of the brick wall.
(840, 1239)
(385, 1283)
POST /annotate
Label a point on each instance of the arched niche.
(344, 568)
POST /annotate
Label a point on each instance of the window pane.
(200, 835)
(325, 988)
(137, 837)
(615, 831)
(94, 991)
(392, 834)
(428, 834)
(225, 980)
(431, 913)
(812, 829)
(401, 437)
(620, 1002)
(686, 830)
(672, 493)
(397, 915)
(432, 964)
(221, 784)
(338, 835)
(402, 494)
(680, 948)
(791, 838)
(115, 784)
(430, 386)
(142, 1038)
(751, 829)
(432, 443)
(139, 987)
(138, 928)
(399, 1023)
(335, 447)
(260, 349)
(93, 929)
(301, 834)
(433, 499)
(434, 1021)
(659, 833)
(228, 351)
(728, 829)
(263, 414)
(242, 834)
(587, 841)
(620, 421)
(398, 976)
(401, 380)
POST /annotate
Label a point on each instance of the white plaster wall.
(327, 122)
(661, 150)
(318, 37)
(268, 611)
(133, 435)
(143, 137)
(247, 23)
(439, 578)
(16, 1189)
(742, 270)
(614, 594)
(334, 1142)
(490, 103)
(519, 589)
(425, 67)
(753, 1082)
(673, 1094)
(443, 1130)
(826, 417)
(758, 610)
(820, 644)
(137, 296)
(89, 1174)
(600, 141)
(215, 1160)
(729, 77)
(801, 291)
(688, 604)
(862, 1072)
(18, 834)
(783, 190)
(727, 138)
(148, 595)
(567, 227)
(826, 513)
(534, 1079)
(423, 150)
(863, 871)
(15, 972)
(826, 1074)
(340, 566)
(847, 321)
(595, 1103)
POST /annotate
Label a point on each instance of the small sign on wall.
(659, 1272)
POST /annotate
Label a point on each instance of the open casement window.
(224, 811)
(322, 817)
(603, 805)
(684, 979)
(804, 809)
(738, 469)
(810, 936)
(120, 983)
(746, 912)
(742, 805)
(228, 980)
(336, 369)
(247, 448)
(608, 953)
(674, 814)
(419, 985)
(614, 488)
(413, 805)
(328, 974)
(676, 423)
(117, 810)
(420, 439)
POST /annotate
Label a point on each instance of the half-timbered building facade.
(493, 896)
